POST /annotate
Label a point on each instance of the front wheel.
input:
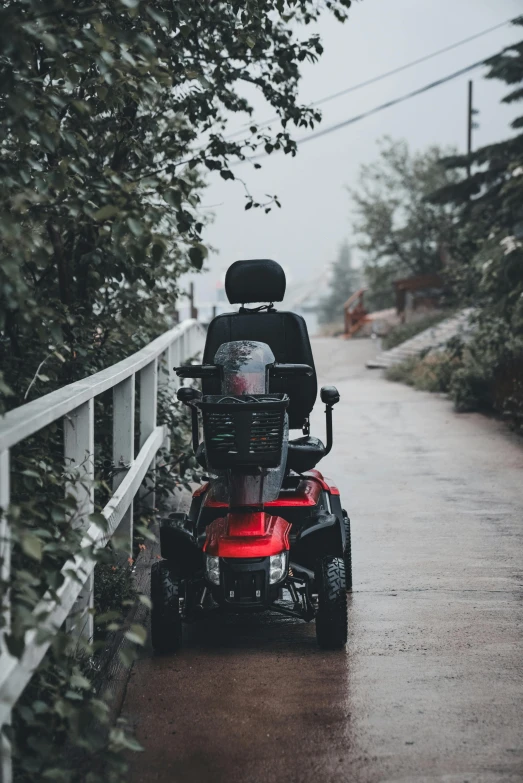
(166, 621)
(331, 617)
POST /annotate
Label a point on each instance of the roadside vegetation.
(113, 113)
(473, 220)
(399, 232)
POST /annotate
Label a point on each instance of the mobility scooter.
(266, 531)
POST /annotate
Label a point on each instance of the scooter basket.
(243, 431)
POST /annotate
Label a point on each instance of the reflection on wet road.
(431, 685)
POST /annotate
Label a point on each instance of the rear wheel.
(347, 553)
(331, 618)
(166, 621)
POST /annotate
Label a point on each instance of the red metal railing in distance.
(355, 314)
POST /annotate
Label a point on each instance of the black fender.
(322, 536)
(179, 545)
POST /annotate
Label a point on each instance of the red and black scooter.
(267, 530)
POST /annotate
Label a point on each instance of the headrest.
(259, 280)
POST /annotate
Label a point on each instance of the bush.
(403, 332)
(433, 372)
(471, 389)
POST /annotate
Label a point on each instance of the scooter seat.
(304, 453)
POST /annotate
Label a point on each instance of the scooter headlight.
(278, 567)
(212, 569)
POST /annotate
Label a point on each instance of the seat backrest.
(286, 334)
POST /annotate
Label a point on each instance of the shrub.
(433, 372)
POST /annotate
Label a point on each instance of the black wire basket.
(243, 431)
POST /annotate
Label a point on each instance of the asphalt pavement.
(430, 687)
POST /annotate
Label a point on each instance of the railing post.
(79, 456)
(6, 772)
(148, 410)
(165, 381)
(123, 448)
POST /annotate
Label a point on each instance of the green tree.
(400, 232)
(487, 256)
(487, 268)
(343, 282)
(111, 113)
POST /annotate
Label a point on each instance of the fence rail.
(74, 404)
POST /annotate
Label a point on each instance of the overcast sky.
(379, 36)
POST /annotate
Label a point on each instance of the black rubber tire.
(347, 553)
(331, 618)
(166, 622)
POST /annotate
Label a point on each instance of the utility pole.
(471, 125)
(194, 310)
(470, 113)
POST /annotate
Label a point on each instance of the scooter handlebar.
(197, 371)
(212, 371)
(291, 370)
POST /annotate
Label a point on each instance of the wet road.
(431, 685)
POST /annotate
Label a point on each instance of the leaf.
(79, 681)
(109, 211)
(107, 616)
(158, 16)
(197, 254)
(120, 739)
(135, 226)
(157, 252)
(137, 634)
(173, 197)
(99, 520)
(32, 546)
(127, 657)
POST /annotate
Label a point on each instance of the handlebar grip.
(291, 370)
(197, 371)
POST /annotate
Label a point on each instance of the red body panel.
(325, 482)
(259, 533)
(307, 493)
(249, 534)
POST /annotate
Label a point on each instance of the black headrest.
(259, 280)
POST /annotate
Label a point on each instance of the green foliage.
(398, 334)
(433, 373)
(112, 113)
(344, 281)
(63, 728)
(114, 588)
(401, 233)
(487, 251)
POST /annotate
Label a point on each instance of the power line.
(385, 75)
(376, 109)
(411, 64)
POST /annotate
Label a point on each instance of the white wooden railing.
(75, 405)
